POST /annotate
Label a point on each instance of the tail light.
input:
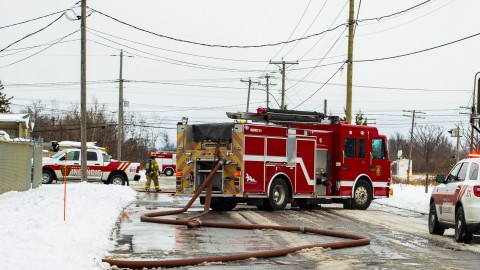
(238, 174)
(476, 191)
(138, 169)
(179, 174)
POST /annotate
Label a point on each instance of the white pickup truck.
(100, 167)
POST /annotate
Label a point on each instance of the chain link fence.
(20, 166)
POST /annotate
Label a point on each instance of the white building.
(399, 168)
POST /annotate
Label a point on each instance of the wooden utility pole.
(283, 63)
(249, 89)
(83, 86)
(411, 141)
(120, 110)
(267, 85)
(351, 24)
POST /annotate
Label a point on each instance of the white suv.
(455, 203)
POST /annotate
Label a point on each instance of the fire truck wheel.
(433, 225)
(168, 172)
(117, 179)
(47, 177)
(278, 196)
(362, 195)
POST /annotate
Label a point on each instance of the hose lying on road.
(356, 239)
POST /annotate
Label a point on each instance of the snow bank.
(34, 234)
(409, 197)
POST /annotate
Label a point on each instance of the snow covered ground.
(34, 234)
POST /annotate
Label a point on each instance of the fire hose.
(193, 221)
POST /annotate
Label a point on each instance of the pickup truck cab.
(100, 167)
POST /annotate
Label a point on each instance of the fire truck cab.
(302, 158)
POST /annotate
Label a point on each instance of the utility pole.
(283, 63)
(249, 89)
(325, 107)
(83, 86)
(456, 133)
(411, 140)
(351, 24)
(120, 110)
(267, 85)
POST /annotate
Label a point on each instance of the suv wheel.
(433, 225)
(461, 234)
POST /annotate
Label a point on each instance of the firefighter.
(152, 172)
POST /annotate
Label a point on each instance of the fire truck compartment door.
(322, 171)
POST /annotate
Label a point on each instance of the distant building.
(16, 126)
(399, 168)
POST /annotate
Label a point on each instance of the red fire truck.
(166, 162)
(274, 157)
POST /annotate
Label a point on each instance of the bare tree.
(166, 142)
(427, 139)
(395, 143)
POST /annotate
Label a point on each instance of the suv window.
(454, 173)
(473, 171)
(462, 174)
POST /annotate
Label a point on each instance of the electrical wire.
(416, 52)
(31, 20)
(168, 60)
(25, 58)
(340, 68)
(394, 14)
(310, 26)
(33, 33)
(178, 52)
(295, 28)
(216, 45)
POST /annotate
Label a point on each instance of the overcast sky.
(188, 75)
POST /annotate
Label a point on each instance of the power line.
(295, 28)
(55, 43)
(31, 20)
(31, 34)
(183, 53)
(340, 68)
(417, 52)
(217, 45)
(394, 14)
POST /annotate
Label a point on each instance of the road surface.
(399, 238)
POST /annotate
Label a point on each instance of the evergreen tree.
(4, 101)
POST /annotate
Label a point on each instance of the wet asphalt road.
(399, 239)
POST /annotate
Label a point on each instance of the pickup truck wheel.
(461, 234)
(168, 172)
(433, 225)
(362, 195)
(118, 179)
(47, 177)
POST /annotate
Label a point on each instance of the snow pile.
(34, 234)
(409, 197)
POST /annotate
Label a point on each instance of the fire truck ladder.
(277, 116)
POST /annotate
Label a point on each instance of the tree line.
(102, 127)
